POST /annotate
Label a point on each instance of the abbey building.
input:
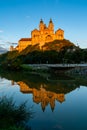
(40, 36)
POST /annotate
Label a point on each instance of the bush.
(13, 128)
(13, 117)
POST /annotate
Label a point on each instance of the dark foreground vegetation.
(52, 53)
(13, 117)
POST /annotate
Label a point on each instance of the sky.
(19, 17)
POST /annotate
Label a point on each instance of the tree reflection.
(45, 90)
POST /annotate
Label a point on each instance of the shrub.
(13, 116)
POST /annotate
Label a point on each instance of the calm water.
(59, 103)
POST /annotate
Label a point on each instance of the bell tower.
(51, 25)
(41, 25)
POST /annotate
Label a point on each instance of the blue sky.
(19, 17)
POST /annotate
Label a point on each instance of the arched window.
(48, 38)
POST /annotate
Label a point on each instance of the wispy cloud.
(10, 43)
(0, 41)
(14, 43)
(81, 41)
(1, 31)
(7, 44)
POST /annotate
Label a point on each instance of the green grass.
(26, 67)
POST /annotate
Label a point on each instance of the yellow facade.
(41, 36)
(23, 43)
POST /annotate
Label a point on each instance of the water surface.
(59, 103)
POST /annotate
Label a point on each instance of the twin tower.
(41, 36)
(42, 26)
(46, 34)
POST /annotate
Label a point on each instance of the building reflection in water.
(42, 95)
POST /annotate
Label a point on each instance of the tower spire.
(51, 25)
(50, 20)
(41, 21)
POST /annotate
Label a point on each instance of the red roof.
(25, 39)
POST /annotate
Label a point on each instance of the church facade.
(40, 36)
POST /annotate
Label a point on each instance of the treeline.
(54, 57)
(54, 53)
(45, 57)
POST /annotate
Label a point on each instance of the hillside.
(58, 51)
(57, 45)
(31, 50)
(2, 50)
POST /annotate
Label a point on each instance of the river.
(58, 102)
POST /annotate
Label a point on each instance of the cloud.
(1, 31)
(1, 38)
(7, 42)
(81, 41)
(3, 42)
(14, 43)
(10, 43)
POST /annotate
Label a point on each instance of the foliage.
(12, 55)
(3, 57)
(11, 115)
(14, 64)
(13, 128)
(25, 67)
(58, 51)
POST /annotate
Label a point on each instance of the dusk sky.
(19, 17)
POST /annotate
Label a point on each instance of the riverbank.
(79, 73)
(49, 69)
(56, 68)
